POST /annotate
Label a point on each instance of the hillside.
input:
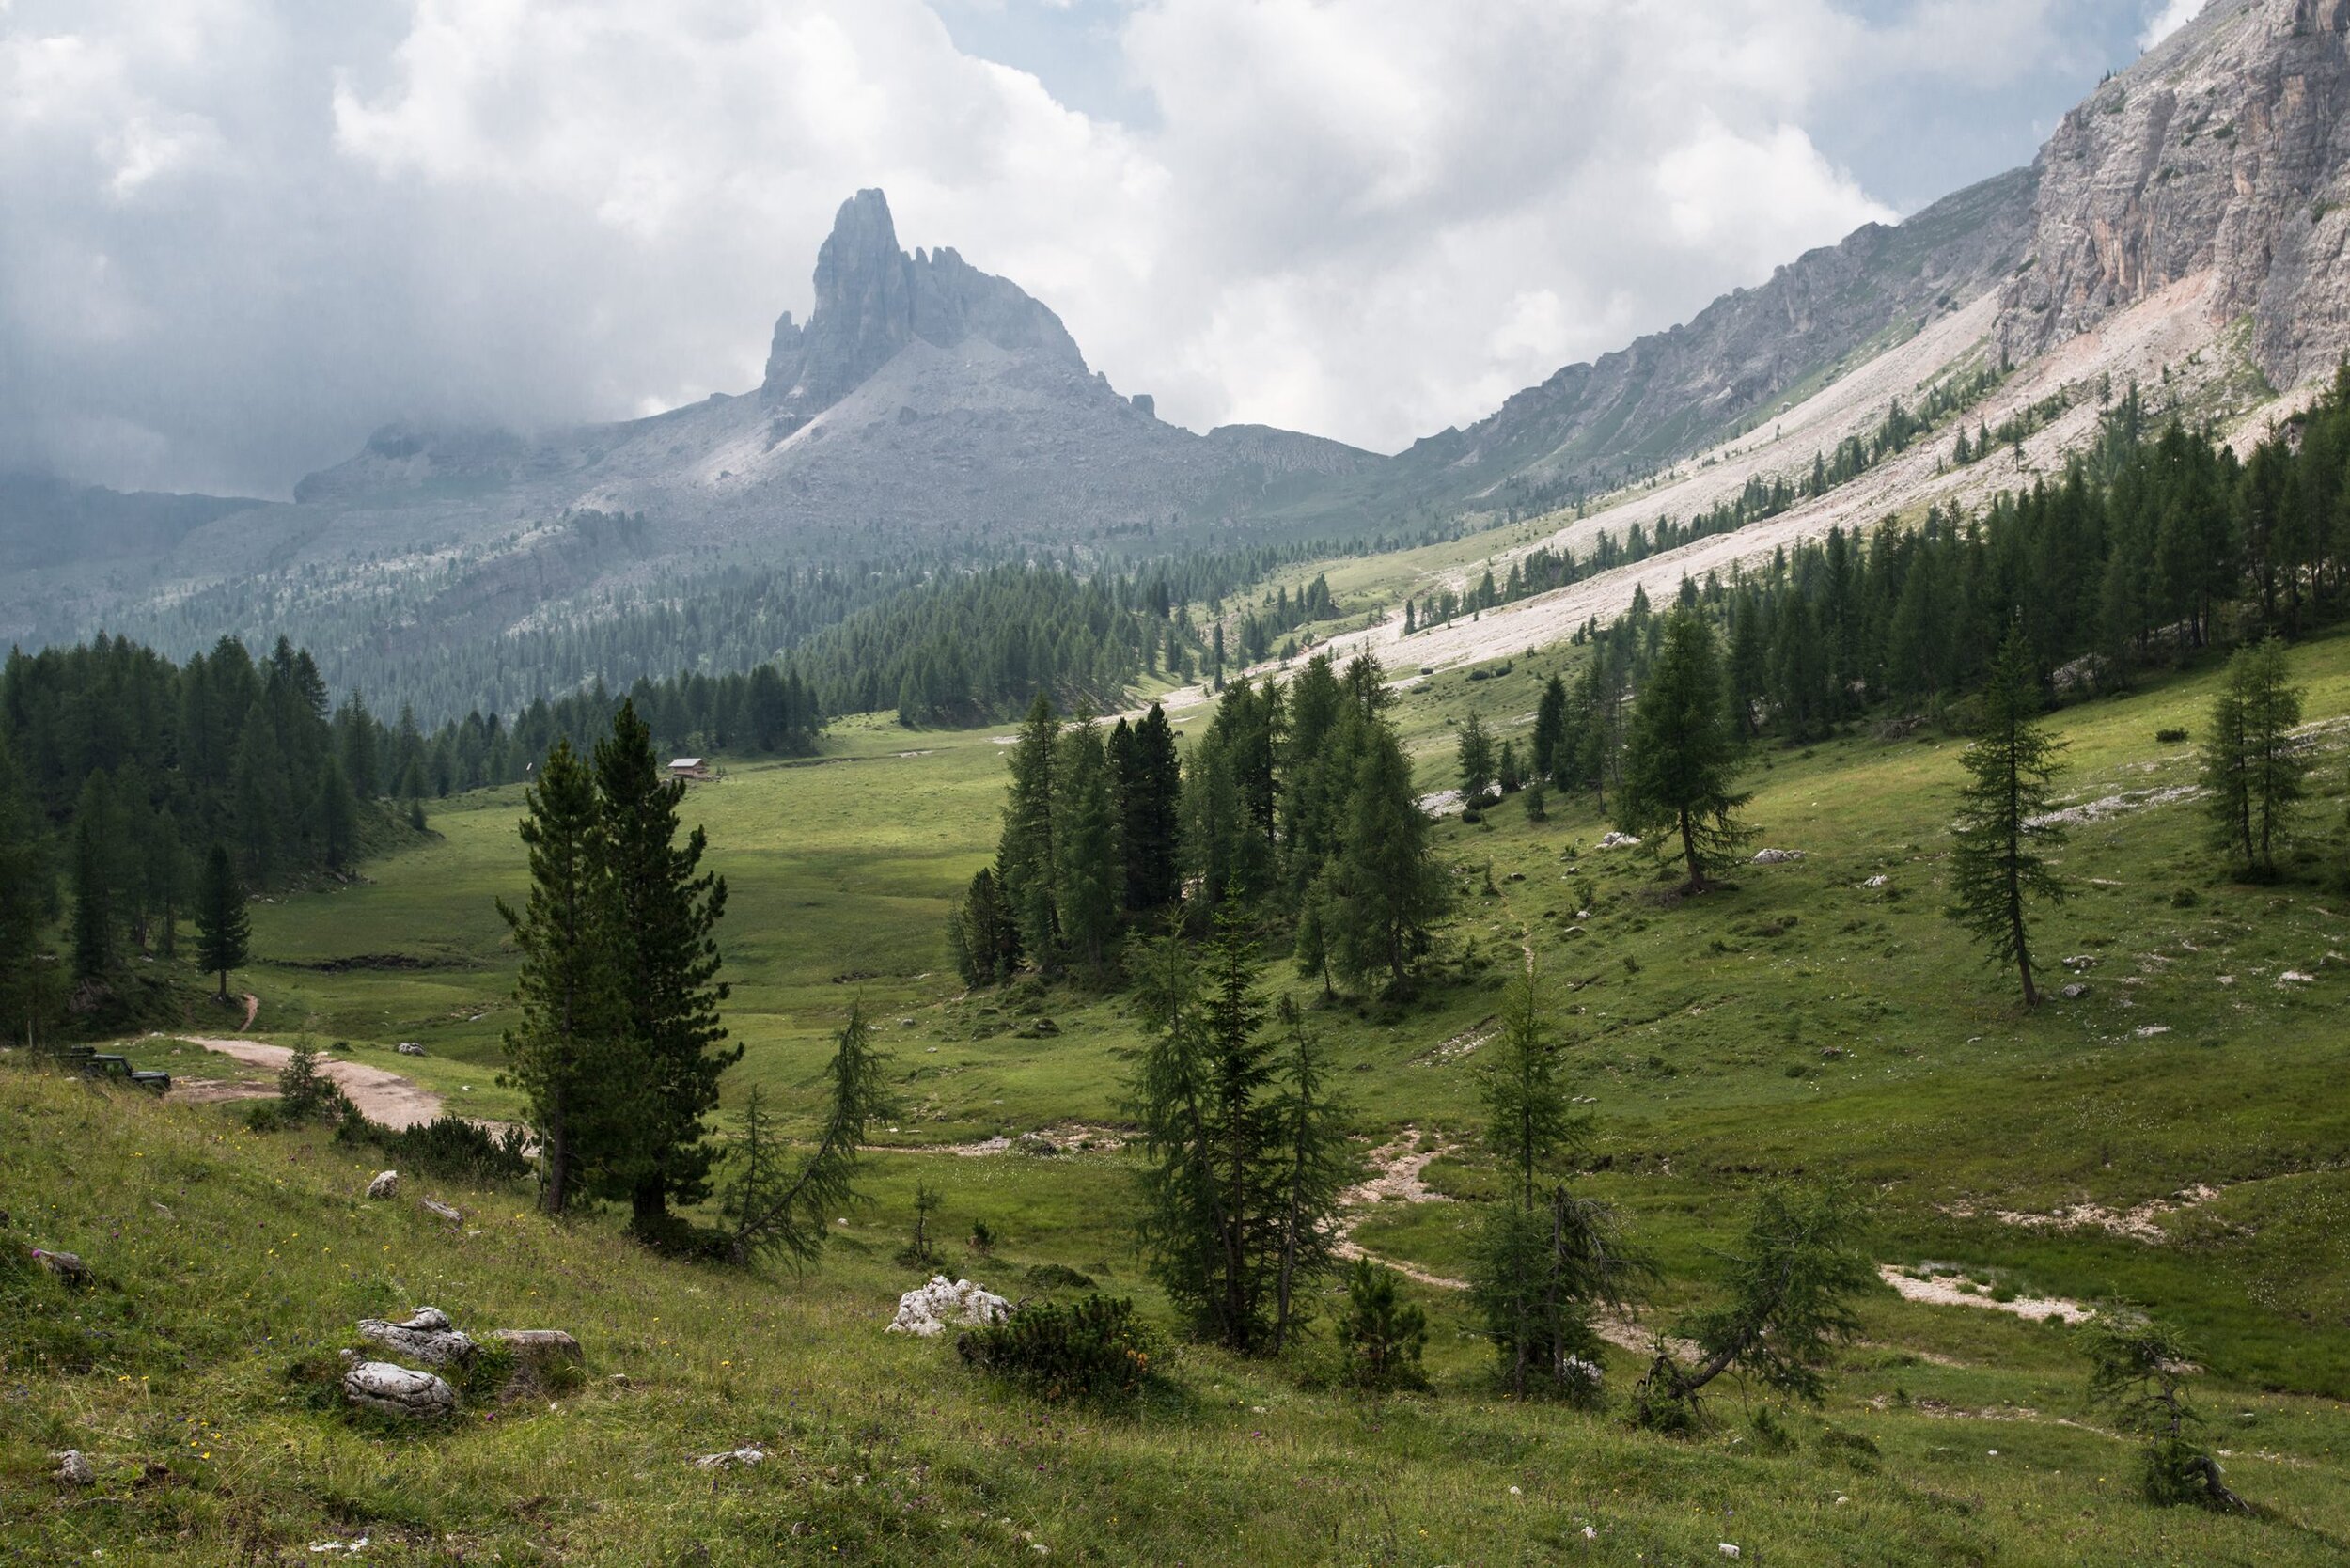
(2169, 1135)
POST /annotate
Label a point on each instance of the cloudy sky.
(236, 234)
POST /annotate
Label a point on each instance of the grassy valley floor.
(2177, 1134)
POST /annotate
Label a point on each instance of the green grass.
(1798, 1023)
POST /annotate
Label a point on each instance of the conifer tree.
(1679, 759)
(93, 901)
(984, 935)
(1147, 780)
(223, 928)
(663, 912)
(1242, 1150)
(1023, 857)
(2254, 769)
(1384, 890)
(1543, 1259)
(1999, 867)
(1550, 729)
(572, 1052)
(25, 889)
(1087, 876)
(773, 1206)
(1473, 750)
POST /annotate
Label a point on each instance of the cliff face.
(2223, 151)
(872, 299)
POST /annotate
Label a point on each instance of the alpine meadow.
(1739, 956)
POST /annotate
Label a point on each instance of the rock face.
(397, 1391)
(426, 1336)
(1670, 392)
(872, 299)
(2224, 151)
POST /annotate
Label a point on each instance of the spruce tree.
(1087, 880)
(25, 889)
(1550, 730)
(1998, 865)
(1384, 890)
(1147, 779)
(571, 1054)
(983, 934)
(664, 910)
(1680, 760)
(2254, 769)
(1473, 753)
(93, 903)
(1024, 856)
(224, 930)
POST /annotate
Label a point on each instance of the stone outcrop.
(394, 1390)
(426, 1335)
(943, 1304)
(2222, 150)
(872, 299)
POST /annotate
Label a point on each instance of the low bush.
(448, 1147)
(1090, 1350)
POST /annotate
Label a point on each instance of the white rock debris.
(944, 1304)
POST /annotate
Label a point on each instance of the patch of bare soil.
(2137, 1223)
(384, 1098)
(1945, 1292)
(1062, 1138)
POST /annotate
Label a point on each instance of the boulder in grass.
(427, 1336)
(64, 1266)
(394, 1390)
(731, 1459)
(1777, 856)
(387, 1185)
(1617, 840)
(944, 1304)
(75, 1468)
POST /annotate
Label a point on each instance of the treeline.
(1295, 812)
(971, 648)
(147, 792)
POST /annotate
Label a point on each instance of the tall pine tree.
(664, 911)
(1680, 760)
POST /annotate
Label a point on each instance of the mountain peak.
(872, 299)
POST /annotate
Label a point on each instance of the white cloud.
(2174, 15)
(244, 233)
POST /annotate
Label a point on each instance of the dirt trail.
(383, 1097)
(252, 1009)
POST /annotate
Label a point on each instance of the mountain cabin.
(691, 768)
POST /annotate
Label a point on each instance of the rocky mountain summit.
(922, 396)
(2225, 150)
(872, 299)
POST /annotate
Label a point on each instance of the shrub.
(2170, 737)
(1382, 1336)
(448, 1147)
(1089, 1350)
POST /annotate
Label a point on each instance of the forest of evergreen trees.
(1295, 812)
(2148, 550)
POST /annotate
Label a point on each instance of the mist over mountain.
(926, 407)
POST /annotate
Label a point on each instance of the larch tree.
(2254, 768)
(1999, 865)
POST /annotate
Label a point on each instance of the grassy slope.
(1706, 1064)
